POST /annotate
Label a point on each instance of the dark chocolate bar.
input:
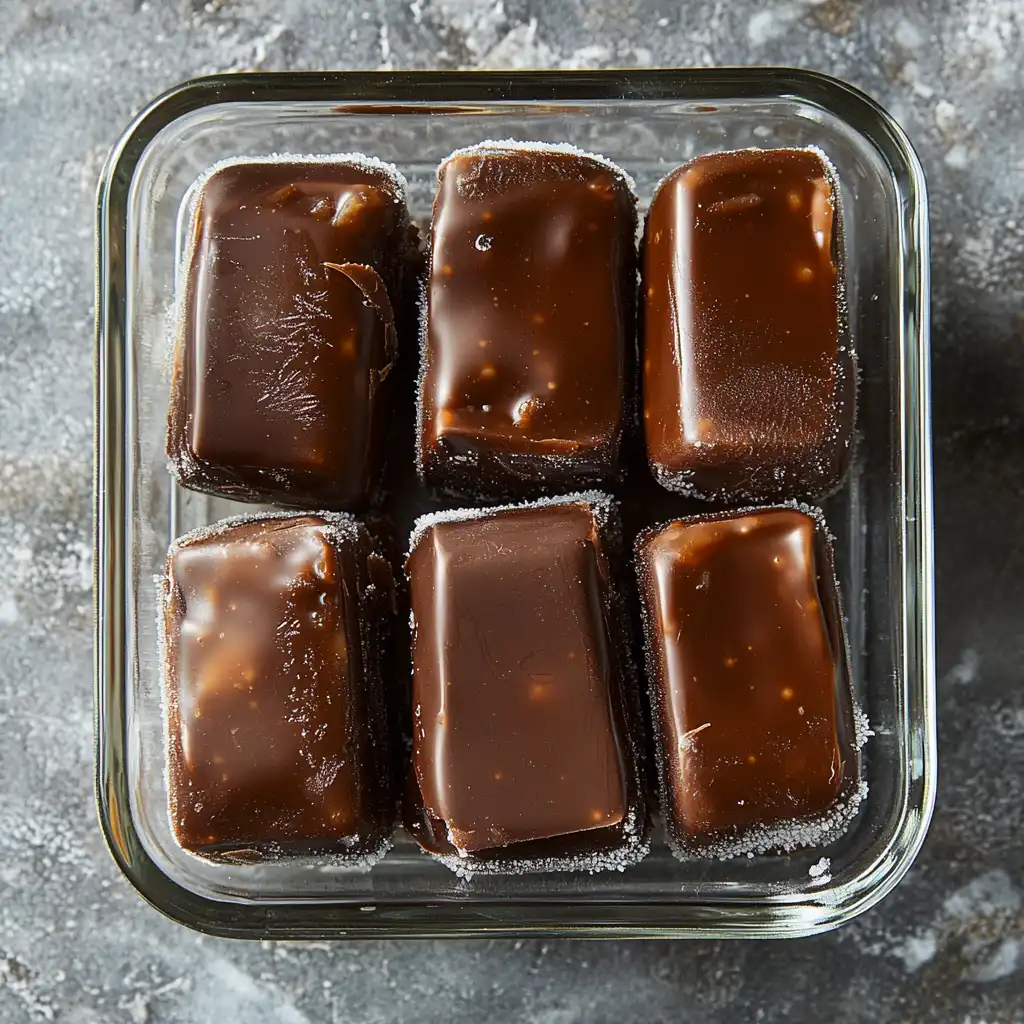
(523, 740)
(748, 375)
(748, 674)
(526, 370)
(295, 275)
(274, 630)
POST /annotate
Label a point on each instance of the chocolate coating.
(287, 333)
(277, 730)
(748, 378)
(526, 368)
(522, 739)
(749, 681)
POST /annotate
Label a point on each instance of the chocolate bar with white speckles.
(748, 372)
(294, 288)
(750, 682)
(524, 741)
(526, 368)
(274, 631)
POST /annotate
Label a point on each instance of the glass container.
(648, 121)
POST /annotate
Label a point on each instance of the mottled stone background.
(77, 944)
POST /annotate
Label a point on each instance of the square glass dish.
(649, 122)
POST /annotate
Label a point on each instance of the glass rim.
(412, 91)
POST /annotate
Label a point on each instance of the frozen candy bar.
(274, 630)
(294, 277)
(748, 374)
(526, 374)
(523, 741)
(748, 675)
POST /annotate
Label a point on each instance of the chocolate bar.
(526, 368)
(295, 276)
(757, 739)
(748, 373)
(524, 746)
(274, 630)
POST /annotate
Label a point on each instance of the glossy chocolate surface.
(277, 727)
(749, 677)
(748, 377)
(288, 332)
(527, 374)
(521, 731)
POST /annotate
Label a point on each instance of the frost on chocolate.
(633, 846)
(504, 146)
(494, 448)
(728, 469)
(257, 324)
(779, 837)
(601, 505)
(359, 160)
(785, 836)
(630, 842)
(354, 851)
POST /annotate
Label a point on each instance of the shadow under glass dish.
(649, 123)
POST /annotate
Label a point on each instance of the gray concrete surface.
(78, 946)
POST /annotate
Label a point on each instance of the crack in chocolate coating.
(287, 332)
(523, 741)
(274, 631)
(748, 375)
(749, 681)
(527, 359)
